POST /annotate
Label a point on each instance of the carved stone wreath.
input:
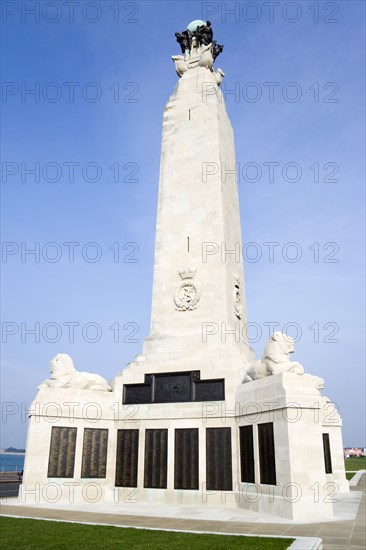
(186, 297)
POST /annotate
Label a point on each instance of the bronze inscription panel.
(267, 461)
(247, 454)
(186, 458)
(127, 458)
(156, 455)
(62, 452)
(94, 463)
(218, 459)
(174, 387)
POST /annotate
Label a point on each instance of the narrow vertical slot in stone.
(327, 455)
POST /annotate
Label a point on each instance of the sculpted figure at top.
(64, 375)
(184, 39)
(204, 34)
(198, 47)
(276, 358)
(199, 32)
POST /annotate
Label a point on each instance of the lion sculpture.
(276, 358)
(64, 375)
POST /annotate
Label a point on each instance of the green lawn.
(355, 463)
(349, 475)
(38, 534)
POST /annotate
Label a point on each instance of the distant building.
(354, 452)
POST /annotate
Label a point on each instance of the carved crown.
(188, 273)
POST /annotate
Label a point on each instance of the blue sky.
(314, 57)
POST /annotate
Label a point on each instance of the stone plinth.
(291, 403)
(300, 417)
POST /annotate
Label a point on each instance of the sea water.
(11, 462)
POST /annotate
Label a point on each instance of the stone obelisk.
(194, 420)
(198, 303)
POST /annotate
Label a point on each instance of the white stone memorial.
(194, 419)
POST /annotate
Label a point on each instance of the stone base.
(289, 402)
(300, 417)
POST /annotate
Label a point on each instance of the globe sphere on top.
(194, 24)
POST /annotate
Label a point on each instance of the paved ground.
(337, 535)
